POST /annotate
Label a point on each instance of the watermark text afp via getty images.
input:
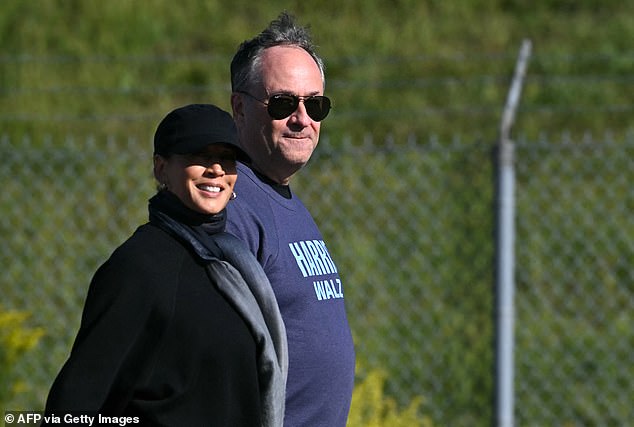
(31, 418)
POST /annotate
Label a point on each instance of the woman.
(180, 325)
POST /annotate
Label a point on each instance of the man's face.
(279, 148)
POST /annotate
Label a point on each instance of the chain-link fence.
(411, 227)
(575, 282)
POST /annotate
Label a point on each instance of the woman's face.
(203, 181)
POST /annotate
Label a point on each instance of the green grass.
(393, 67)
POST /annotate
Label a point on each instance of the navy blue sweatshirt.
(288, 244)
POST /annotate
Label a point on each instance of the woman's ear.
(159, 168)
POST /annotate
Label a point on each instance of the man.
(278, 83)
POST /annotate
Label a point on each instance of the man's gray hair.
(283, 31)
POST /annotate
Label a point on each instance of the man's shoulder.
(254, 197)
(249, 185)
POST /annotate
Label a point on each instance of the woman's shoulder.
(149, 251)
(150, 240)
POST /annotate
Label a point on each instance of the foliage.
(16, 338)
(371, 407)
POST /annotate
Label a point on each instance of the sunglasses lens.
(317, 107)
(282, 106)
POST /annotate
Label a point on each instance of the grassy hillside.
(393, 66)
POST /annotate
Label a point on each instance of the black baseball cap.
(191, 128)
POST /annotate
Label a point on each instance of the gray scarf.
(244, 284)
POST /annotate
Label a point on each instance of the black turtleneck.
(281, 189)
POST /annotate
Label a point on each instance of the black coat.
(158, 341)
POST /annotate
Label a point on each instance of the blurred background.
(402, 186)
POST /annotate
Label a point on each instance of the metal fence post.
(505, 254)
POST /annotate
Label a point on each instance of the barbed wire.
(581, 78)
(342, 84)
(468, 110)
(15, 58)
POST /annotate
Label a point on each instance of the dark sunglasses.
(283, 105)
